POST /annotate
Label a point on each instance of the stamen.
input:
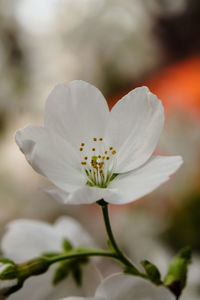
(99, 165)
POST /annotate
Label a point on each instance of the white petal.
(83, 298)
(67, 227)
(41, 288)
(134, 128)
(138, 183)
(125, 287)
(76, 112)
(125, 187)
(26, 239)
(51, 156)
(31, 238)
(83, 195)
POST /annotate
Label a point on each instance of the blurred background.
(116, 45)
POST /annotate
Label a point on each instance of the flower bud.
(8, 276)
(12, 276)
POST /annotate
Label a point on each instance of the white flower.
(89, 153)
(125, 287)
(26, 239)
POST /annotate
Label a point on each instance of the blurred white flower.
(89, 153)
(26, 239)
(125, 287)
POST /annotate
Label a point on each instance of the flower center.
(97, 161)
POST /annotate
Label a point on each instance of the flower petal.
(51, 156)
(26, 239)
(134, 127)
(41, 288)
(76, 112)
(67, 227)
(82, 195)
(124, 188)
(121, 286)
(138, 183)
(83, 298)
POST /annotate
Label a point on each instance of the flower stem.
(82, 253)
(120, 255)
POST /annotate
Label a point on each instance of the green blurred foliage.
(184, 225)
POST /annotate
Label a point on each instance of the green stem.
(81, 254)
(120, 255)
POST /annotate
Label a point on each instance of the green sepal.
(131, 270)
(21, 272)
(66, 245)
(9, 273)
(152, 272)
(6, 261)
(176, 276)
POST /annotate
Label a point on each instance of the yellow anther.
(82, 144)
(101, 165)
(81, 149)
(93, 149)
(107, 157)
(103, 157)
(113, 152)
(94, 139)
(106, 152)
(99, 156)
(85, 157)
(100, 139)
(83, 163)
(110, 148)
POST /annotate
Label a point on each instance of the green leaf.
(69, 267)
(152, 272)
(66, 245)
(77, 275)
(176, 276)
(61, 272)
